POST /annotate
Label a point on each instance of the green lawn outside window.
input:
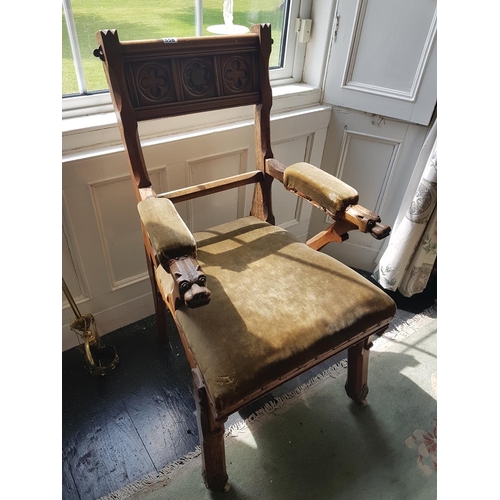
(151, 19)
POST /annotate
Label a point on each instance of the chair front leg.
(211, 433)
(357, 371)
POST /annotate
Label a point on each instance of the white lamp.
(228, 28)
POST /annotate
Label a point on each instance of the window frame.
(100, 101)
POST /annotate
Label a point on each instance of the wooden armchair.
(254, 307)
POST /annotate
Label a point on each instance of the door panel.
(383, 58)
(376, 157)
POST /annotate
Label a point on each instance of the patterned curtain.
(407, 262)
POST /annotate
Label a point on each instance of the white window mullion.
(75, 47)
(285, 73)
(300, 47)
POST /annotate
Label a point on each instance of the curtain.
(406, 263)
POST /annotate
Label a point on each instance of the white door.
(381, 80)
(383, 58)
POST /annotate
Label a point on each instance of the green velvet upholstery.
(276, 304)
(167, 231)
(319, 186)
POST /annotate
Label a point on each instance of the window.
(84, 82)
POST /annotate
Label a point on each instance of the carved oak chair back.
(176, 76)
(254, 307)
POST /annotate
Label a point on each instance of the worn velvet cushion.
(167, 231)
(319, 186)
(276, 304)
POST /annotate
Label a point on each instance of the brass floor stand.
(98, 357)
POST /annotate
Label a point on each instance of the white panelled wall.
(104, 263)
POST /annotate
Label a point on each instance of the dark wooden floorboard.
(132, 421)
(99, 441)
(140, 417)
(157, 393)
(68, 484)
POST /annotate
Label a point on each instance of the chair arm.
(175, 249)
(167, 231)
(316, 185)
(331, 195)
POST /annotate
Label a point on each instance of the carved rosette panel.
(237, 74)
(153, 83)
(164, 86)
(198, 78)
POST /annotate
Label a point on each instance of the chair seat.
(272, 310)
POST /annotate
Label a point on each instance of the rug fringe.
(400, 329)
(162, 477)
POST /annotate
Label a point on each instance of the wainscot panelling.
(103, 258)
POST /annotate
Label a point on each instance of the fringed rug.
(315, 443)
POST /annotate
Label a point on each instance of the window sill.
(96, 133)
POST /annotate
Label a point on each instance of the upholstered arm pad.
(169, 235)
(320, 187)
